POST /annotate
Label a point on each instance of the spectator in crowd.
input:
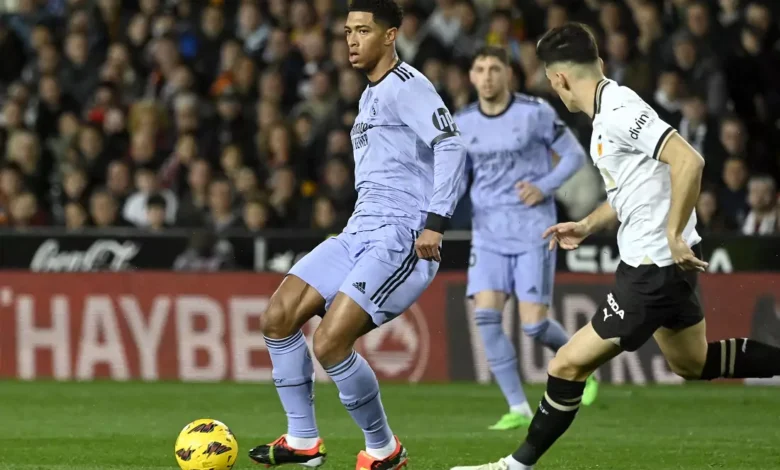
(700, 129)
(324, 217)
(220, 215)
(104, 212)
(709, 218)
(668, 96)
(733, 194)
(147, 184)
(256, 215)
(156, 213)
(76, 217)
(205, 253)
(337, 187)
(118, 181)
(110, 103)
(25, 212)
(11, 185)
(762, 199)
(625, 67)
(75, 188)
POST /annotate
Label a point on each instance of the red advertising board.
(206, 327)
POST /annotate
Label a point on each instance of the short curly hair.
(387, 12)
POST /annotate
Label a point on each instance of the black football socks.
(740, 358)
(555, 414)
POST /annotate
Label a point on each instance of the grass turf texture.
(103, 425)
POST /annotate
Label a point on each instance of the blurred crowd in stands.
(236, 114)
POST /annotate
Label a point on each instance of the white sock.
(302, 443)
(384, 452)
(515, 465)
(523, 409)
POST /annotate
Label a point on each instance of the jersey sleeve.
(639, 126)
(560, 139)
(421, 108)
(557, 134)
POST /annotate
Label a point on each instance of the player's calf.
(293, 304)
(501, 355)
(540, 327)
(358, 387)
(690, 355)
(740, 358)
(567, 372)
(737, 358)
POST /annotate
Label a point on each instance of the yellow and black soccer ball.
(206, 444)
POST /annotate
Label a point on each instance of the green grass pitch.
(105, 426)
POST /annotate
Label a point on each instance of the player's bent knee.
(689, 369)
(533, 316)
(329, 349)
(563, 367)
(278, 321)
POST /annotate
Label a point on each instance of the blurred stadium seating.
(236, 114)
(144, 136)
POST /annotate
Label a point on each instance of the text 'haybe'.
(183, 337)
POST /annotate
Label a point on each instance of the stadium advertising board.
(45, 251)
(206, 327)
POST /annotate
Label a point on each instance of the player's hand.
(567, 235)
(427, 246)
(683, 255)
(528, 193)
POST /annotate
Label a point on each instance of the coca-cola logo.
(108, 255)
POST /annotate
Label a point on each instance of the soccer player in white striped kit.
(652, 177)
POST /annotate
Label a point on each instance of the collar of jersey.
(508, 105)
(598, 95)
(397, 64)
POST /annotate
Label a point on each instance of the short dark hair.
(387, 12)
(156, 200)
(492, 51)
(572, 42)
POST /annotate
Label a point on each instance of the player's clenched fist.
(427, 246)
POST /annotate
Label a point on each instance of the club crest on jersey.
(374, 107)
(639, 123)
(599, 147)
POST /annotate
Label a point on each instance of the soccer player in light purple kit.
(510, 139)
(409, 164)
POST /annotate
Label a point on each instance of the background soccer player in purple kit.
(409, 164)
(511, 139)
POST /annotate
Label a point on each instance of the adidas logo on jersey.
(361, 286)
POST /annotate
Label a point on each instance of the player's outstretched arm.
(685, 169)
(602, 217)
(569, 235)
